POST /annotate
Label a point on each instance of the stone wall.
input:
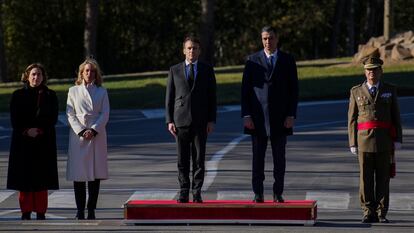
(398, 48)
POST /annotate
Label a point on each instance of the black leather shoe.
(26, 216)
(40, 216)
(383, 220)
(278, 198)
(258, 198)
(197, 198)
(91, 214)
(369, 219)
(80, 215)
(183, 199)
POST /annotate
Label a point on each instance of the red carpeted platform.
(221, 211)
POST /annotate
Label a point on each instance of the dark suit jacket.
(278, 87)
(187, 105)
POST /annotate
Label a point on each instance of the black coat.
(279, 88)
(33, 161)
(196, 105)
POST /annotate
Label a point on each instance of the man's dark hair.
(269, 29)
(191, 38)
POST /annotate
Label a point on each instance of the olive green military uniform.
(375, 145)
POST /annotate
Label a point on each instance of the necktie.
(271, 61)
(191, 75)
(373, 90)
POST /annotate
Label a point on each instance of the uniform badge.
(386, 95)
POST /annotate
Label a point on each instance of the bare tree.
(3, 65)
(91, 26)
(207, 31)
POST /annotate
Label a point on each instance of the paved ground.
(143, 165)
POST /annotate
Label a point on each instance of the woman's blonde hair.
(95, 66)
(26, 73)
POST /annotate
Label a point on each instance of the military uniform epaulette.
(356, 86)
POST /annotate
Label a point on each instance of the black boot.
(40, 216)
(26, 216)
(91, 214)
(80, 215)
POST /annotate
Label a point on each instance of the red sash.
(378, 125)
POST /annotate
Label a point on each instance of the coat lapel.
(379, 92)
(182, 74)
(88, 98)
(263, 62)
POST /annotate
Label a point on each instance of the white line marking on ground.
(62, 199)
(4, 137)
(330, 200)
(319, 124)
(234, 195)
(401, 201)
(153, 195)
(5, 194)
(212, 165)
(154, 113)
(7, 212)
(61, 223)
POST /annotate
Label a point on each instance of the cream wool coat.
(87, 159)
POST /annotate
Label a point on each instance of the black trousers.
(191, 146)
(259, 145)
(80, 194)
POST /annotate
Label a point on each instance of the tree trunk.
(91, 26)
(339, 6)
(350, 27)
(387, 19)
(207, 31)
(3, 65)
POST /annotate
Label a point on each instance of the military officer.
(374, 130)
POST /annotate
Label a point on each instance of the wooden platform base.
(220, 211)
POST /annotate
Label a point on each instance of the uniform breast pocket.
(179, 102)
(363, 105)
(384, 100)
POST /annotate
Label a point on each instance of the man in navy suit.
(268, 107)
(190, 105)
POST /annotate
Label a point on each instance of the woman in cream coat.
(88, 112)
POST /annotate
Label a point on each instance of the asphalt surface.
(142, 160)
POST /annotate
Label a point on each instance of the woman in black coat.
(33, 158)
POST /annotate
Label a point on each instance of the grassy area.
(318, 79)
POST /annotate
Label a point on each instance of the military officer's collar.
(369, 85)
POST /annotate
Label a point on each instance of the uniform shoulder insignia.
(356, 86)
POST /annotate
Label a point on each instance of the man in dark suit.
(268, 107)
(190, 106)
